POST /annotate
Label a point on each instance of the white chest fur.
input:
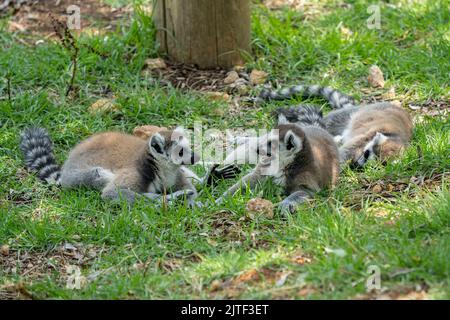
(164, 180)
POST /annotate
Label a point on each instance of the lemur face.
(284, 145)
(381, 147)
(173, 146)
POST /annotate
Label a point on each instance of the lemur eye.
(181, 153)
(157, 147)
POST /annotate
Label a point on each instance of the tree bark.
(207, 33)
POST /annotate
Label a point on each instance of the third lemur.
(379, 130)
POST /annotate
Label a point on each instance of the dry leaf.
(377, 188)
(147, 131)
(15, 26)
(258, 77)
(218, 96)
(260, 206)
(157, 63)
(248, 276)
(231, 77)
(375, 77)
(102, 106)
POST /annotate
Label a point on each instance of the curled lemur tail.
(303, 115)
(37, 149)
(334, 97)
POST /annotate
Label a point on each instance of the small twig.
(70, 44)
(74, 72)
(8, 88)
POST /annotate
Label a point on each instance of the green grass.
(201, 253)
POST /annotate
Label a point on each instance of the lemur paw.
(287, 207)
(195, 204)
(227, 172)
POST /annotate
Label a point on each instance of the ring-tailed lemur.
(121, 165)
(379, 130)
(307, 157)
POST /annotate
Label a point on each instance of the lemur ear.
(282, 119)
(156, 143)
(380, 138)
(293, 142)
(178, 133)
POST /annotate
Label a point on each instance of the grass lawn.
(394, 217)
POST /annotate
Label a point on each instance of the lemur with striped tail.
(121, 165)
(302, 158)
(379, 130)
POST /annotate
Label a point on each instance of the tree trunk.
(207, 33)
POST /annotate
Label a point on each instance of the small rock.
(145, 132)
(4, 250)
(260, 206)
(258, 77)
(157, 63)
(375, 77)
(231, 77)
(102, 106)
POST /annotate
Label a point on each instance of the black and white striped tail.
(37, 149)
(302, 115)
(334, 97)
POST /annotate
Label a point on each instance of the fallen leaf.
(102, 106)
(157, 63)
(15, 26)
(377, 188)
(258, 77)
(375, 77)
(145, 132)
(218, 96)
(248, 276)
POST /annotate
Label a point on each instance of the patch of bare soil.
(389, 189)
(188, 77)
(227, 226)
(30, 265)
(95, 16)
(434, 108)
